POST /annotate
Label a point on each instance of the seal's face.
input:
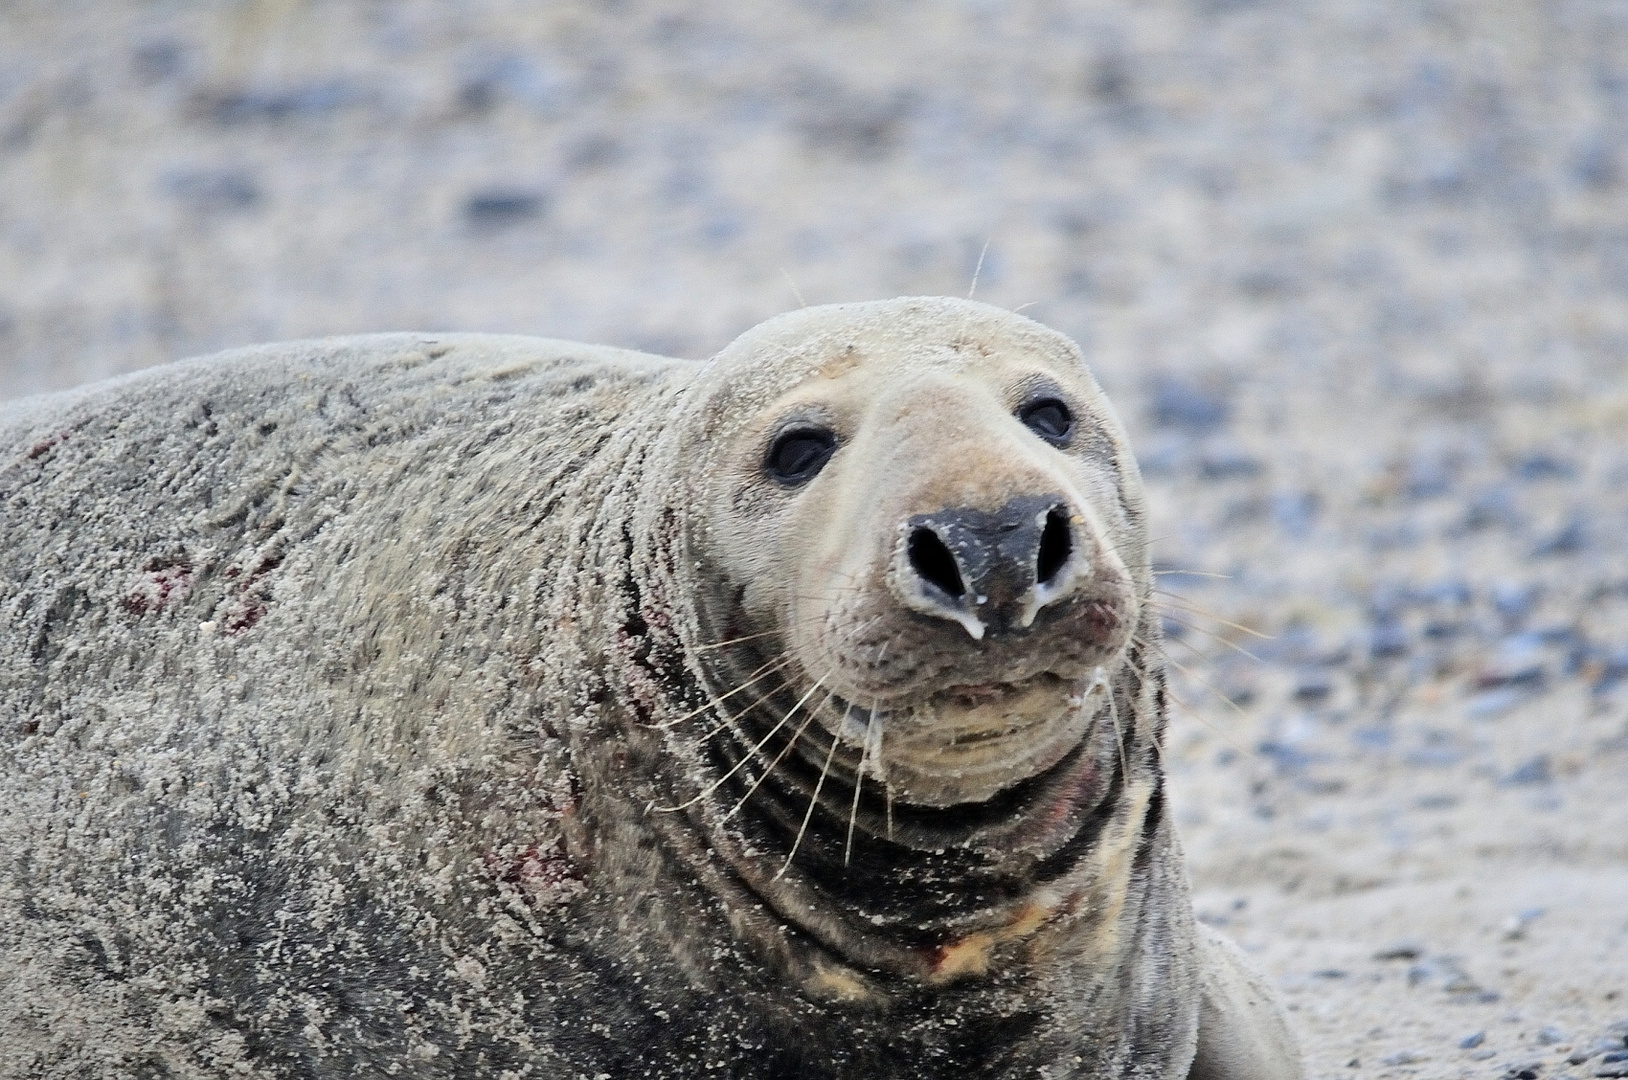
(931, 521)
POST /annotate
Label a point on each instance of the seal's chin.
(968, 743)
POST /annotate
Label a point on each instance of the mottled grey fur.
(338, 681)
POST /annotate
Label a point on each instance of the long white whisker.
(977, 270)
(1211, 634)
(710, 788)
(735, 641)
(781, 756)
(859, 785)
(1119, 735)
(721, 724)
(1224, 737)
(759, 673)
(809, 814)
(1173, 600)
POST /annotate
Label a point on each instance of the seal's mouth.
(968, 742)
(981, 695)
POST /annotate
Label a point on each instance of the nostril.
(1056, 544)
(933, 561)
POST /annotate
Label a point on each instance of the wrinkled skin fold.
(461, 705)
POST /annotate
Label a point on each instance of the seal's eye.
(796, 455)
(1050, 419)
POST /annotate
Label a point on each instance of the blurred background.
(1370, 188)
(1355, 271)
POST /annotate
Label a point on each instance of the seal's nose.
(991, 571)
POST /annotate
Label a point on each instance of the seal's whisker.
(784, 750)
(716, 784)
(1193, 573)
(1180, 603)
(736, 640)
(859, 785)
(972, 290)
(834, 593)
(1200, 654)
(813, 800)
(729, 718)
(872, 734)
(1211, 634)
(795, 291)
(1191, 674)
(1205, 683)
(1193, 710)
(1119, 734)
(759, 673)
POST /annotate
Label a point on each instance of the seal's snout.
(991, 572)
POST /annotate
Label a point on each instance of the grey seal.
(462, 705)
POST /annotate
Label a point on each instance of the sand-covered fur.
(454, 705)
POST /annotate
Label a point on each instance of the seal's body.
(449, 705)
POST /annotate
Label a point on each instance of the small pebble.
(1427, 476)
(1313, 686)
(1549, 1035)
(496, 209)
(206, 190)
(1491, 703)
(1294, 512)
(1513, 600)
(1387, 637)
(1285, 757)
(1406, 949)
(1543, 466)
(1227, 463)
(1571, 538)
(1181, 403)
(1517, 662)
(1538, 770)
(1403, 1057)
(1494, 506)
(1448, 591)
(1583, 1053)
(1470, 1042)
(1434, 757)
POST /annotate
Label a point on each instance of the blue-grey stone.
(497, 207)
(1544, 466)
(1537, 770)
(1491, 703)
(206, 190)
(1387, 638)
(273, 104)
(1182, 403)
(1569, 539)
(1514, 600)
(1227, 463)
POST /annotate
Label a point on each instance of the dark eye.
(796, 455)
(1049, 419)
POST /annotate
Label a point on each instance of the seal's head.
(926, 507)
